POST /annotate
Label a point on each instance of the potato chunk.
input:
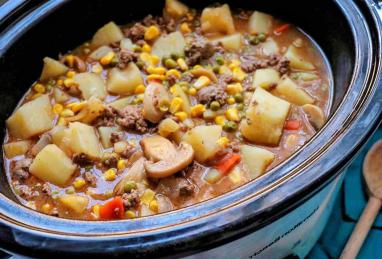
(266, 78)
(75, 203)
(127, 44)
(83, 139)
(124, 81)
(256, 160)
(100, 52)
(230, 42)
(91, 85)
(31, 118)
(52, 165)
(204, 139)
(289, 90)
(166, 45)
(16, 148)
(269, 47)
(121, 103)
(60, 96)
(105, 134)
(52, 68)
(175, 9)
(107, 34)
(217, 20)
(265, 118)
(167, 127)
(260, 23)
(296, 61)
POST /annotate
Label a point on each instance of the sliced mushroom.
(181, 159)
(136, 173)
(157, 148)
(315, 115)
(155, 96)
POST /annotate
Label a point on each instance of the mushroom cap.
(315, 115)
(157, 148)
(155, 94)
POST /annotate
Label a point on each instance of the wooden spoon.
(372, 171)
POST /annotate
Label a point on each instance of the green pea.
(175, 56)
(262, 37)
(214, 105)
(230, 126)
(238, 98)
(129, 185)
(240, 106)
(137, 48)
(170, 63)
(140, 64)
(254, 40)
(70, 190)
(184, 84)
(216, 69)
(219, 60)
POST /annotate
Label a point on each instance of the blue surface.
(346, 212)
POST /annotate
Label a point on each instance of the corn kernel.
(69, 82)
(77, 106)
(60, 82)
(130, 214)
(173, 89)
(145, 57)
(223, 141)
(173, 72)
(197, 67)
(176, 105)
(61, 122)
(202, 82)
(110, 175)
(184, 28)
(146, 48)
(140, 89)
(234, 64)
(154, 60)
(182, 64)
(181, 115)
(70, 74)
(79, 183)
(156, 70)
(152, 32)
(39, 88)
(234, 88)
(121, 164)
(220, 120)
(95, 210)
(66, 113)
(154, 206)
(147, 196)
(238, 74)
(232, 114)
(156, 77)
(69, 60)
(58, 108)
(46, 208)
(97, 69)
(231, 100)
(197, 110)
(192, 91)
(106, 60)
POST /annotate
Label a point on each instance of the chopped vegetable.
(228, 162)
(292, 125)
(281, 28)
(113, 209)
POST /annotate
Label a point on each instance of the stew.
(164, 113)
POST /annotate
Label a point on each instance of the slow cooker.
(280, 214)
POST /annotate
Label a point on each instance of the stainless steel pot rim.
(362, 106)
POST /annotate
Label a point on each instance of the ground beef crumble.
(21, 168)
(125, 57)
(131, 118)
(186, 188)
(212, 93)
(90, 179)
(251, 63)
(46, 189)
(26, 192)
(116, 137)
(136, 32)
(130, 199)
(82, 159)
(197, 50)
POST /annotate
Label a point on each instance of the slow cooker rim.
(327, 174)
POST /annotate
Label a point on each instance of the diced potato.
(107, 34)
(16, 148)
(175, 9)
(91, 85)
(52, 165)
(178, 92)
(124, 81)
(256, 160)
(296, 61)
(217, 20)
(61, 138)
(289, 90)
(167, 127)
(204, 139)
(52, 68)
(121, 103)
(105, 133)
(100, 52)
(266, 78)
(84, 140)
(60, 96)
(230, 42)
(31, 118)
(75, 203)
(260, 23)
(269, 47)
(127, 44)
(166, 45)
(265, 118)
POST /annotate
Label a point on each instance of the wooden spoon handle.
(362, 228)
